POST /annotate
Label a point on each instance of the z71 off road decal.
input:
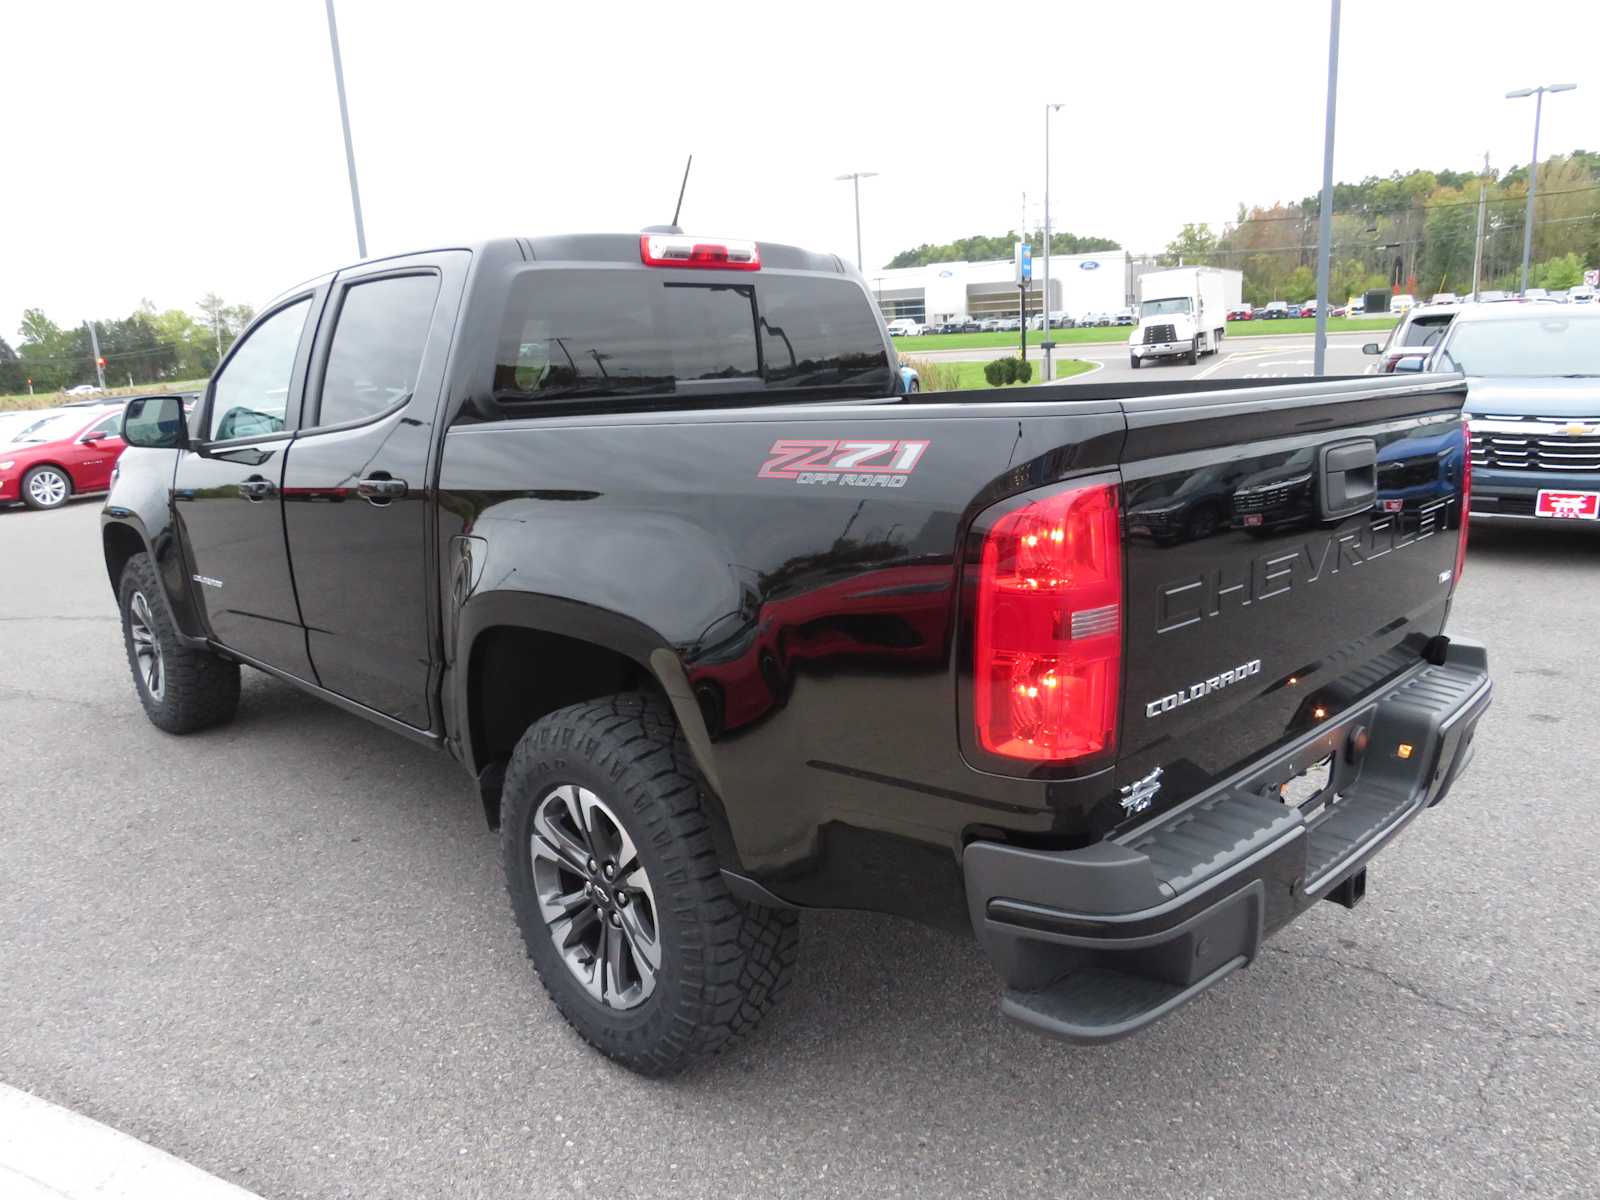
(863, 463)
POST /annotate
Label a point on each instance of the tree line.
(984, 248)
(147, 346)
(1415, 232)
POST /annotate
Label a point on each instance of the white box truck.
(1183, 312)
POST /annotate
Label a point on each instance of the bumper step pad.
(1094, 944)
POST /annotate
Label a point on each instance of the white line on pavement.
(52, 1153)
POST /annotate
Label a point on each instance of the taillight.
(1466, 501)
(677, 250)
(1048, 637)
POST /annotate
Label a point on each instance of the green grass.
(51, 399)
(1112, 334)
(969, 375)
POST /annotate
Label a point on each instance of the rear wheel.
(46, 487)
(615, 884)
(181, 688)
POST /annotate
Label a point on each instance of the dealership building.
(1079, 284)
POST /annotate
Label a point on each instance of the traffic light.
(101, 361)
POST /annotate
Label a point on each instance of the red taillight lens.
(1048, 670)
(1466, 502)
(675, 250)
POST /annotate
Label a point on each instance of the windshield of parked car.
(1162, 308)
(1527, 346)
(49, 429)
(1428, 330)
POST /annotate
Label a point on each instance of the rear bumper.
(1095, 944)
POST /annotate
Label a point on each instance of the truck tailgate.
(1287, 552)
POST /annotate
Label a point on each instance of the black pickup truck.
(642, 530)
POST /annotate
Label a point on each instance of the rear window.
(598, 333)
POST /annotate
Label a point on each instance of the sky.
(169, 148)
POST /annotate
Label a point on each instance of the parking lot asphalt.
(281, 951)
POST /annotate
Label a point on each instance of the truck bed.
(816, 614)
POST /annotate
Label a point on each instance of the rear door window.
(377, 347)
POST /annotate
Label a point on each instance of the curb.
(52, 1153)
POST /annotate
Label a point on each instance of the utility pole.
(1047, 345)
(349, 148)
(94, 352)
(1483, 210)
(1325, 220)
(855, 178)
(1533, 168)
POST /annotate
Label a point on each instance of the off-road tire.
(198, 689)
(723, 962)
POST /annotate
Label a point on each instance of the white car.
(904, 327)
(1445, 298)
(83, 389)
(1582, 294)
(1402, 304)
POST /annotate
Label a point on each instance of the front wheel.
(1133, 361)
(182, 689)
(1194, 351)
(46, 487)
(614, 881)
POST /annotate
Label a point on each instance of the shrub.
(936, 376)
(1024, 371)
(997, 371)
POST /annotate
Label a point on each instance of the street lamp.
(1046, 344)
(344, 120)
(1533, 171)
(855, 178)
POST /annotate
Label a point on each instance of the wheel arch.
(519, 656)
(72, 480)
(121, 538)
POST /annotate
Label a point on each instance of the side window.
(252, 393)
(377, 347)
(111, 426)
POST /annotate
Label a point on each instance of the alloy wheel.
(146, 649)
(595, 897)
(48, 488)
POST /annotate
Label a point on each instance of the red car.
(1243, 313)
(65, 452)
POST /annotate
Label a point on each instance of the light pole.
(344, 120)
(1533, 170)
(855, 178)
(1046, 343)
(1325, 218)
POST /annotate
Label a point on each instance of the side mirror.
(1372, 348)
(93, 436)
(155, 423)
(1412, 362)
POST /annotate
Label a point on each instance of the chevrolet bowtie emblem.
(1579, 429)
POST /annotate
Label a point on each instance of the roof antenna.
(683, 187)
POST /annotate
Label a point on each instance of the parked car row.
(910, 327)
(49, 455)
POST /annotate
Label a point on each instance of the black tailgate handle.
(1349, 478)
